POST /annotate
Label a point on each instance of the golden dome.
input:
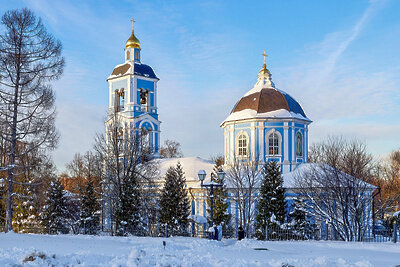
(132, 42)
(264, 70)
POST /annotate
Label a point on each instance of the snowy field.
(68, 250)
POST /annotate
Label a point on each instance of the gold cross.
(265, 55)
(133, 21)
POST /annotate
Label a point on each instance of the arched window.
(137, 55)
(273, 144)
(299, 144)
(128, 55)
(242, 145)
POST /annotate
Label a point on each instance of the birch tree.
(30, 58)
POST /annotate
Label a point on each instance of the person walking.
(240, 233)
(215, 232)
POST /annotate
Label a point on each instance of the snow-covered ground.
(68, 250)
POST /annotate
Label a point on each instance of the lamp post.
(202, 175)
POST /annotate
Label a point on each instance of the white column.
(305, 145)
(155, 95)
(261, 143)
(232, 143)
(286, 163)
(293, 146)
(253, 141)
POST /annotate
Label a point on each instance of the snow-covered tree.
(174, 202)
(30, 58)
(124, 155)
(300, 223)
(127, 214)
(220, 207)
(271, 201)
(55, 211)
(89, 210)
(336, 187)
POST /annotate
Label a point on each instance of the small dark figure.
(215, 232)
(240, 233)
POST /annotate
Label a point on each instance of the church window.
(137, 55)
(273, 144)
(299, 144)
(242, 142)
(128, 55)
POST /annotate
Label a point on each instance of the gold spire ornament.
(264, 77)
(264, 69)
(132, 42)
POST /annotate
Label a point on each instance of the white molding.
(279, 143)
(237, 144)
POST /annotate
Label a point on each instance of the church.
(266, 124)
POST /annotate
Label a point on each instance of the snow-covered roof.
(289, 179)
(133, 68)
(190, 165)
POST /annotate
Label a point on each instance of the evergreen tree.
(300, 221)
(174, 202)
(271, 201)
(55, 212)
(220, 207)
(128, 210)
(89, 209)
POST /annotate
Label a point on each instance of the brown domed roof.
(265, 100)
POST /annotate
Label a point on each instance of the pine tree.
(89, 209)
(271, 201)
(174, 202)
(128, 211)
(300, 221)
(55, 212)
(220, 207)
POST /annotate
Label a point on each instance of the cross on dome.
(265, 55)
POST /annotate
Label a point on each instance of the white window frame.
(246, 135)
(273, 131)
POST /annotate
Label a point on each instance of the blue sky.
(339, 59)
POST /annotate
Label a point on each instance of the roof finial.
(264, 77)
(133, 21)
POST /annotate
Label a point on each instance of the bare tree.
(388, 180)
(129, 172)
(335, 186)
(29, 58)
(243, 178)
(171, 149)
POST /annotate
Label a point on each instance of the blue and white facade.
(266, 124)
(132, 88)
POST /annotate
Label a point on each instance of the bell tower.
(132, 88)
